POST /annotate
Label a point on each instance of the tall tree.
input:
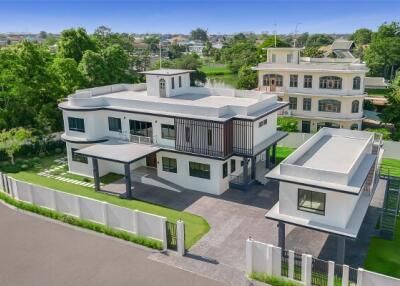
(116, 63)
(69, 77)
(175, 51)
(271, 42)
(153, 43)
(383, 54)
(319, 40)
(391, 113)
(237, 53)
(93, 68)
(73, 43)
(199, 35)
(247, 78)
(312, 52)
(12, 140)
(362, 36)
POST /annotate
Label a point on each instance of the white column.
(303, 267)
(180, 233)
(269, 258)
(345, 277)
(249, 256)
(291, 264)
(308, 270)
(164, 233)
(135, 218)
(360, 274)
(277, 260)
(331, 273)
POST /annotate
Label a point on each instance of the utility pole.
(295, 35)
(275, 34)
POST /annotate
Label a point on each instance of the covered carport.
(117, 151)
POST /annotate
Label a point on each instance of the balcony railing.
(142, 139)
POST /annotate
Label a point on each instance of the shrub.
(10, 168)
(273, 280)
(42, 154)
(58, 150)
(148, 242)
(24, 166)
(87, 180)
(287, 124)
(386, 134)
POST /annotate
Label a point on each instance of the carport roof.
(118, 151)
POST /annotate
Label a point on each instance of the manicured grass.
(391, 167)
(151, 243)
(282, 153)
(196, 226)
(377, 92)
(215, 70)
(273, 280)
(384, 255)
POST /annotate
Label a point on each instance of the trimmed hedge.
(151, 243)
(36, 149)
(273, 280)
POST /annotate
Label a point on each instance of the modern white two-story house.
(198, 138)
(327, 184)
(322, 92)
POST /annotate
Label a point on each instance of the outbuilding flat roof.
(166, 72)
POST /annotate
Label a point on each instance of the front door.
(151, 160)
(272, 84)
(305, 126)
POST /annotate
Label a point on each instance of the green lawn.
(196, 226)
(282, 153)
(377, 92)
(391, 166)
(384, 255)
(215, 70)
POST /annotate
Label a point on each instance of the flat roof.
(118, 151)
(166, 72)
(332, 153)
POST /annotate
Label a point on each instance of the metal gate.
(172, 241)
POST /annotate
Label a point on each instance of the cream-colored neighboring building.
(322, 92)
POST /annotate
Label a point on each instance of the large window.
(357, 82)
(355, 105)
(272, 79)
(294, 78)
(225, 170)
(141, 128)
(78, 157)
(169, 165)
(307, 104)
(307, 81)
(180, 81)
(329, 105)
(292, 103)
(330, 82)
(310, 201)
(114, 124)
(172, 83)
(76, 124)
(168, 131)
(199, 170)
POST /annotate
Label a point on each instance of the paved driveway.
(36, 251)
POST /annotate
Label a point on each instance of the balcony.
(142, 139)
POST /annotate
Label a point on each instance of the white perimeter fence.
(294, 140)
(272, 260)
(133, 221)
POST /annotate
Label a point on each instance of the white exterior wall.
(153, 83)
(338, 206)
(264, 132)
(215, 185)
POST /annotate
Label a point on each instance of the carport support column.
(96, 175)
(128, 182)
(341, 249)
(245, 171)
(281, 235)
(267, 158)
(273, 159)
(253, 168)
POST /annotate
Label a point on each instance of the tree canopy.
(199, 35)
(391, 113)
(74, 42)
(247, 78)
(319, 40)
(361, 36)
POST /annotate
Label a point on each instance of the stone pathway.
(62, 163)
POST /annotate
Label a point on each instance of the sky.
(182, 16)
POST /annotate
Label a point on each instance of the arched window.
(272, 79)
(330, 82)
(162, 87)
(355, 105)
(354, 126)
(357, 82)
(329, 105)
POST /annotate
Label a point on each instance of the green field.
(215, 70)
(390, 167)
(196, 226)
(384, 255)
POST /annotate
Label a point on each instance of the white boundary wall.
(134, 221)
(294, 140)
(266, 258)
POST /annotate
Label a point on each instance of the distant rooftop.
(342, 44)
(167, 72)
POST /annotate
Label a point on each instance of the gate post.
(331, 273)
(345, 275)
(164, 233)
(360, 273)
(180, 233)
(291, 264)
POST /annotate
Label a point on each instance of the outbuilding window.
(114, 124)
(169, 165)
(78, 157)
(168, 131)
(76, 124)
(311, 201)
(199, 170)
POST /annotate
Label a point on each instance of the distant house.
(375, 82)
